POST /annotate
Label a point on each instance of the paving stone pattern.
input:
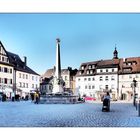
(27, 114)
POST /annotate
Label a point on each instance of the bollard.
(139, 108)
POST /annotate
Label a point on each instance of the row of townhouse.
(114, 75)
(15, 75)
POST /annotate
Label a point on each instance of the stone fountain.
(58, 95)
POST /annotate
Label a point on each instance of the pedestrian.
(13, 96)
(36, 97)
(3, 97)
(107, 96)
(32, 97)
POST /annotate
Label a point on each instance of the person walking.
(36, 97)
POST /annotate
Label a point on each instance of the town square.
(69, 69)
(65, 81)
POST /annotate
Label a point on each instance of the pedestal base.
(59, 99)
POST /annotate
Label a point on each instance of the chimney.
(25, 60)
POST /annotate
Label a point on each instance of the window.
(5, 70)
(85, 79)
(91, 72)
(85, 87)
(89, 87)
(93, 79)
(89, 79)
(11, 81)
(93, 87)
(80, 72)
(26, 85)
(82, 67)
(106, 70)
(100, 87)
(0, 69)
(112, 78)
(101, 78)
(23, 76)
(93, 66)
(137, 76)
(26, 76)
(79, 79)
(112, 70)
(106, 87)
(5, 80)
(65, 77)
(127, 70)
(130, 76)
(20, 84)
(10, 70)
(89, 66)
(32, 85)
(19, 75)
(2, 58)
(2, 80)
(112, 87)
(106, 78)
(32, 77)
(37, 78)
(101, 70)
(87, 72)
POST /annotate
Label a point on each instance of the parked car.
(88, 98)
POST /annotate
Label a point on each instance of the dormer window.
(93, 66)
(129, 63)
(89, 67)
(82, 67)
(87, 71)
(80, 72)
(91, 72)
(134, 63)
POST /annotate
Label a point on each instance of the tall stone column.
(58, 60)
(57, 81)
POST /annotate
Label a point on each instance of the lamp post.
(134, 88)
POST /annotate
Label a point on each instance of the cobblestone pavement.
(27, 114)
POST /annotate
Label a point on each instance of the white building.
(129, 70)
(95, 78)
(115, 75)
(15, 75)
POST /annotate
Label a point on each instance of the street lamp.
(134, 87)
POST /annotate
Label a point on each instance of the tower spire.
(115, 53)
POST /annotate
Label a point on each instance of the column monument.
(57, 80)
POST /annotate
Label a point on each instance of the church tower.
(115, 54)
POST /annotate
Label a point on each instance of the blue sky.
(84, 37)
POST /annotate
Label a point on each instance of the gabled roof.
(19, 64)
(111, 63)
(125, 66)
(49, 73)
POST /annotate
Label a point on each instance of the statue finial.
(57, 40)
